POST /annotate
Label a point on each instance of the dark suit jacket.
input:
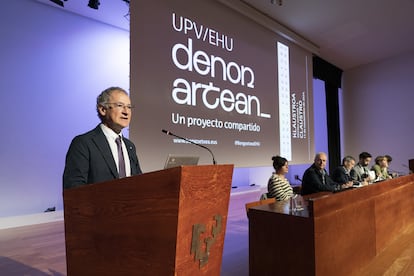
(89, 160)
(340, 175)
(312, 182)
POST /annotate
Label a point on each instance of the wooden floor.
(396, 259)
(39, 250)
(33, 250)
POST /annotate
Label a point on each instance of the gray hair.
(347, 159)
(103, 98)
(319, 154)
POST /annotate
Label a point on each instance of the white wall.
(378, 110)
(53, 65)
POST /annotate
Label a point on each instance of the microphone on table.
(191, 142)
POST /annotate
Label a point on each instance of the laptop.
(179, 160)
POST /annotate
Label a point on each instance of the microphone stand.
(191, 142)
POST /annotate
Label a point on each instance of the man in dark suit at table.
(342, 174)
(316, 179)
(103, 154)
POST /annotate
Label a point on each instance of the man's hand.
(347, 185)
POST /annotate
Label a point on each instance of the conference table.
(335, 233)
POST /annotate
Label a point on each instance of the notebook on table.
(180, 160)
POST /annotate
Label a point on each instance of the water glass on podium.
(296, 203)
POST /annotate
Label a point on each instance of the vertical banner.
(284, 101)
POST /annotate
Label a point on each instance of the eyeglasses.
(121, 106)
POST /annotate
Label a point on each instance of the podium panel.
(169, 222)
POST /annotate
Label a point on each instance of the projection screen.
(206, 73)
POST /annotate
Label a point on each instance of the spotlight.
(94, 4)
(58, 2)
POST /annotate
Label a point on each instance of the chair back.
(259, 202)
(264, 196)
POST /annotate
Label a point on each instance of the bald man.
(316, 179)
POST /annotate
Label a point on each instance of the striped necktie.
(323, 177)
(121, 160)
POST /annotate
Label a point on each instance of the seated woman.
(391, 174)
(381, 168)
(278, 186)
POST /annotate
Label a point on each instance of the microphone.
(297, 178)
(191, 142)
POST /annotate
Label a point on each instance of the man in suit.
(342, 174)
(316, 179)
(94, 156)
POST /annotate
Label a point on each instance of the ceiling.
(112, 12)
(349, 33)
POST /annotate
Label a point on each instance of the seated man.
(316, 179)
(360, 172)
(342, 174)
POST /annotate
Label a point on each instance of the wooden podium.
(169, 222)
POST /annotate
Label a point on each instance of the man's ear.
(102, 110)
